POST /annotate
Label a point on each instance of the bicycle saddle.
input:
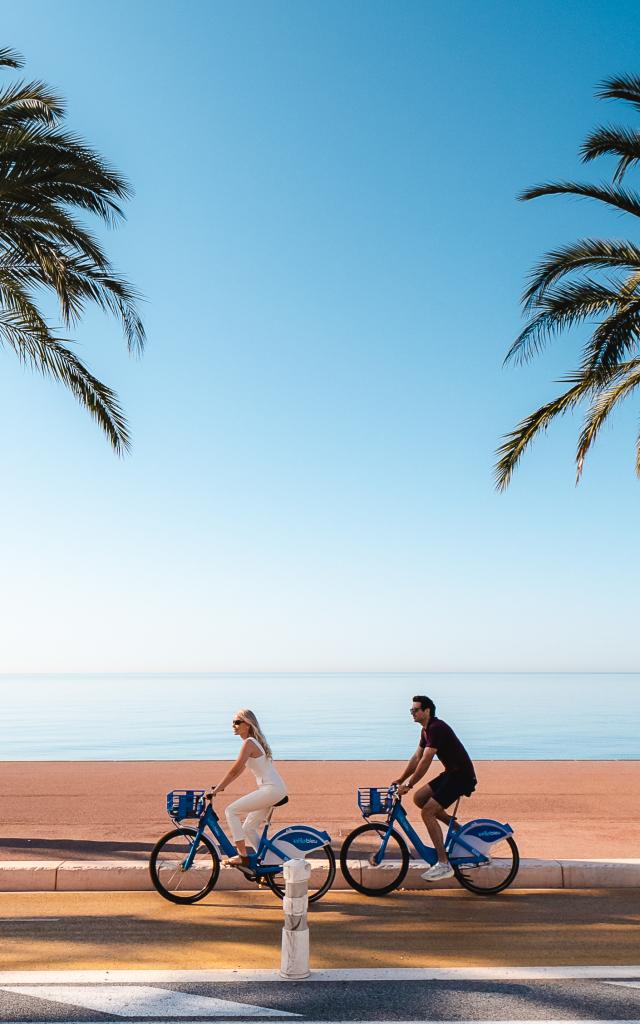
(285, 800)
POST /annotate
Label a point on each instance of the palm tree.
(48, 176)
(592, 282)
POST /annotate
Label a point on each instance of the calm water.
(141, 717)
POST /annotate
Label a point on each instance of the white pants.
(258, 804)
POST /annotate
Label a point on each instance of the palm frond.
(29, 101)
(614, 337)
(516, 442)
(49, 355)
(625, 379)
(41, 154)
(618, 197)
(16, 298)
(51, 227)
(613, 141)
(76, 282)
(559, 298)
(561, 307)
(593, 253)
(47, 177)
(44, 169)
(621, 87)
(10, 58)
(80, 282)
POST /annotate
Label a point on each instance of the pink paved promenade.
(90, 810)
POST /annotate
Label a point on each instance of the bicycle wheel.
(356, 855)
(493, 877)
(168, 875)
(323, 872)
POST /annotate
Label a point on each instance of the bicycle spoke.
(497, 874)
(172, 879)
(323, 870)
(367, 867)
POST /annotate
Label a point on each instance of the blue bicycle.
(375, 858)
(185, 863)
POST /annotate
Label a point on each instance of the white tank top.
(263, 769)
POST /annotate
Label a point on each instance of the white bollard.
(294, 963)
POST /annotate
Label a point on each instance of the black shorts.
(447, 787)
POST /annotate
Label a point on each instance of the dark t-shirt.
(451, 753)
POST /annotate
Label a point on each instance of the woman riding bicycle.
(255, 753)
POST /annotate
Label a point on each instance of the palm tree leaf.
(614, 337)
(47, 175)
(52, 358)
(29, 101)
(10, 58)
(78, 281)
(587, 252)
(621, 87)
(55, 227)
(625, 380)
(613, 141)
(515, 443)
(561, 307)
(618, 197)
(42, 165)
(559, 298)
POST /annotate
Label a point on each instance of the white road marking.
(624, 984)
(143, 1001)
(108, 977)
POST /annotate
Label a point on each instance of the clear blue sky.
(326, 232)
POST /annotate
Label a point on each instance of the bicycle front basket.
(185, 803)
(374, 800)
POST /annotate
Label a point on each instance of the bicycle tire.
(359, 886)
(470, 877)
(317, 894)
(190, 896)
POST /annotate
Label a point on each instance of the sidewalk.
(91, 931)
(86, 825)
(133, 876)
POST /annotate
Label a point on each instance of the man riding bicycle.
(458, 778)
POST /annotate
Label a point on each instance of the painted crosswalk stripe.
(143, 1001)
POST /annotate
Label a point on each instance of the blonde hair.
(254, 730)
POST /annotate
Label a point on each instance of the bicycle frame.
(427, 853)
(297, 837)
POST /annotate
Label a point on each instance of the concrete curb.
(133, 876)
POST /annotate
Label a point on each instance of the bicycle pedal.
(247, 872)
(262, 882)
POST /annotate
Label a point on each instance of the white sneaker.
(473, 867)
(437, 871)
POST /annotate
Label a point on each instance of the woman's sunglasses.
(237, 721)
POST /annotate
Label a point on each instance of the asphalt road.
(243, 930)
(395, 1000)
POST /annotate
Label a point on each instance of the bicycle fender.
(481, 834)
(296, 841)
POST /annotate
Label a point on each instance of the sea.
(309, 716)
